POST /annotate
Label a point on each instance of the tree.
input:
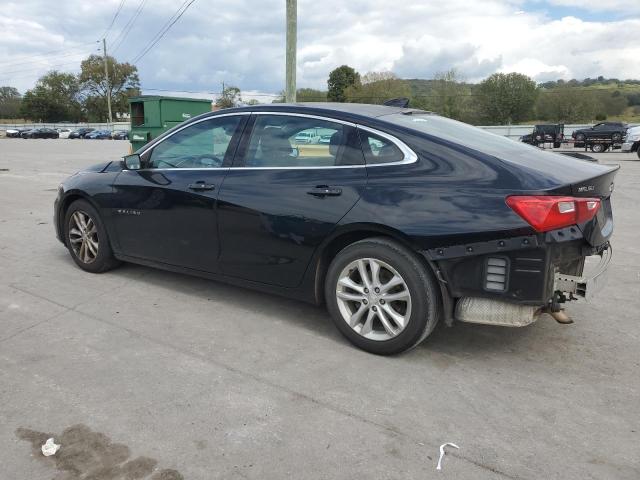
(568, 105)
(310, 95)
(56, 97)
(10, 100)
(123, 83)
(507, 97)
(377, 87)
(449, 96)
(230, 98)
(339, 80)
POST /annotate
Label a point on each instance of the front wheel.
(597, 148)
(86, 238)
(381, 296)
(616, 137)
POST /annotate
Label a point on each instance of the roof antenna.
(402, 102)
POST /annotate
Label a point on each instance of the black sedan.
(80, 132)
(403, 219)
(40, 133)
(612, 132)
(120, 135)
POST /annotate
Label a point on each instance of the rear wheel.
(597, 148)
(86, 238)
(381, 296)
(580, 137)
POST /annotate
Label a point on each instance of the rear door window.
(281, 141)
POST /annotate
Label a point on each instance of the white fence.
(511, 131)
(70, 126)
(516, 131)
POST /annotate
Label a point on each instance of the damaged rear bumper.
(510, 282)
(585, 286)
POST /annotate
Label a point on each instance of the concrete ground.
(141, 373)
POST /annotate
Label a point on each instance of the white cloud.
(241, 42)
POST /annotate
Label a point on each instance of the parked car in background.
(17, 132)
(408, 218)
(601, 136)
(40, 133)
(120, 135)
(325, 139)
(80, 132)
(632, 140)
(63, 132)
(545, 133)
(306, 137)
(98, 135)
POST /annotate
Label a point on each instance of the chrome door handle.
(200, 186)
(325, 191)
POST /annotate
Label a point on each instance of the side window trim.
(409, 155)
(241, 152)
(233, 144)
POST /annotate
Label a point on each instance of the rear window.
(460, 133)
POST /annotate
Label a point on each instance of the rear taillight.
(546, 213)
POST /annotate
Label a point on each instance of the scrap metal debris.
(439, 467)
(50, 448)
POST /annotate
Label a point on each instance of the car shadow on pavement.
(461, 338)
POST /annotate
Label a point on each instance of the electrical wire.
(47, 54)
(113, 20)
(128, 26)
(163, 31)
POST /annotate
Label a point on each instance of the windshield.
(460, 133)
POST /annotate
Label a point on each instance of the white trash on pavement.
(50, 448)
(439, 467)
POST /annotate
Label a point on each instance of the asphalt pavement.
(140, 373)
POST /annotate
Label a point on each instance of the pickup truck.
(631, 141)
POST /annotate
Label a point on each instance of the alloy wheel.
(373, 299)
(83, 236)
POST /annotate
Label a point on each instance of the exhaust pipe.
(561, 317)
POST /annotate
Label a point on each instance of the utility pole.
(292, 34)
(106, 76)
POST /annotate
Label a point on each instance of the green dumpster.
(153, 115)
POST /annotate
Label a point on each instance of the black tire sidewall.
(104, 259)
(424, 305)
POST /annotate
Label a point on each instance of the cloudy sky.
(241, 42)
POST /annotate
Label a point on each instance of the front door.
(166, 211)
(294, 178)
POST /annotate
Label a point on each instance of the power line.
(113, 20)
(162, 32)
(37, 68)
(46, 54)
(128, 26)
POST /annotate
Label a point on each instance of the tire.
(557, 145)
(616, 137)
(597, 148)
(420, 310)
(81, 245)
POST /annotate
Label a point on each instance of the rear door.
(282, 198)
(166, 212)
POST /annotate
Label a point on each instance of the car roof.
(343, 111)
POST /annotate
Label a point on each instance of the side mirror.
(132, 162)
